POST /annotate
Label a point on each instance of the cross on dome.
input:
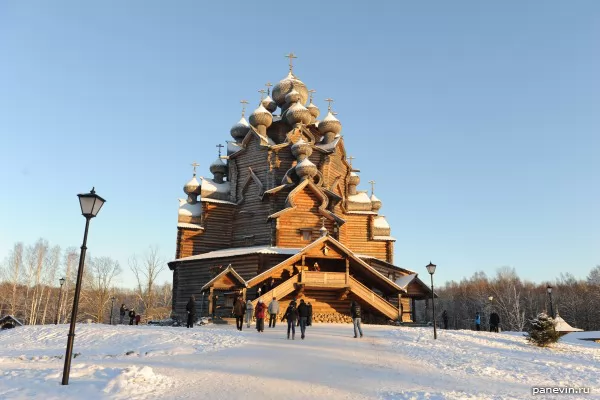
(350, 160)
(194, 165)
(312, 92)
(244, 102)
(220, 146)
(291, 57)
(262, 94)
(329, 100)
(268, 85)
(372, 187)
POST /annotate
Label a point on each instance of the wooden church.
(283, 217)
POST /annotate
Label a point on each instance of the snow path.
(217, 362)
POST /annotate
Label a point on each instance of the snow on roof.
(330, 146)
(304, 162)
(387, 238)
(374, 198)
(209, 200)
(238, 251)
(563, 326)
(359, 198)
(210, 187)
(403, 281)
(380, 223)
(10, 318)
(189, 210)
(330, 117)
(233, 147)
(189, 226)
(362, 212)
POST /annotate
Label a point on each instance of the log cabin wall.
(355, 234)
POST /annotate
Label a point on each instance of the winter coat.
(123, 310)
(274, 307)
(249, 307)
(478, 319)
(494, 319)
(303, 310)
(309, 310)
(259, 311)
(131, 314)
(190, 307)
(355, 310)
(291, 314)
(239, 308)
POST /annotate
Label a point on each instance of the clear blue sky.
(479, 120)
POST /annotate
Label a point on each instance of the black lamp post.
(90, 204)
(62, 282)
(431, 269)
(549, 289)
(112, 306)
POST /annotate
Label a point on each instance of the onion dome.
(330, 124)
(306, 169)
(218, 167)
(269, 104)
(314, 110)
(297, 114)
(285, 86)
(240, 130)
(192, 188)
(323, 231)
(261, 116)
(301, 149)
(354, 179)
(376, 203)
(292, 97)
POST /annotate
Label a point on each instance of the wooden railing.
(373, 299)
(278, 291)
(325, 279)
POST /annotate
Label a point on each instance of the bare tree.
(102, 271)
(146, 269)
(14, 267)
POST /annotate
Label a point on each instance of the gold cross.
(291, 56)
(311, 91)
(262, 94)
(329, 100)
(195, 164)
(244, 102)
(268, 85)
(220, 146)
(351, 158)
(372, 187)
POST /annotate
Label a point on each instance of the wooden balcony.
(315, 279)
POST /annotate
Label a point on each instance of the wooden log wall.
(355, 235)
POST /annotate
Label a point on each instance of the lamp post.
(490, 298)
(112, 306)
(90, 204)
(431, 269)
(62, 282)
(549, 289)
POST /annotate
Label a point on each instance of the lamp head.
(90, 203)
(431, 268)
(62, 281)
(549, 289)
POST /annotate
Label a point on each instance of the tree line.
(516, 301)
(30, 285)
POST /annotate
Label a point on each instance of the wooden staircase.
(279, 292)
(373, 299)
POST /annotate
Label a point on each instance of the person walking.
(445, 319)
(249, 312)
(494, 322)
(478, 321)
(291, 315)
(309, 322)
(273, 311)
(239, 309)
(122, 312)
(356, 315)
(131, 316)
(138, 318)
(302, 317)
(259, 313)
(190, 307)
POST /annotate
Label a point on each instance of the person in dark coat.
(190, 307)
(302, 317)
(291, 315)
(494, 322)
(239, 309)
(259, 313)
(131, 316)
(122, 312)
(309, 322)
(445, 319)
(356, 315)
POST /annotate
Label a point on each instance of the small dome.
(314, 110)
(306, 169)
(330, 124)
(301, 149)
(261, 116)
(240, 130)
(323, 231)
(269, 104)
(297, 114)
(292, 97)
(192, 187)
(354, 178)
(285, 86)
(376, 203)
(218, 167)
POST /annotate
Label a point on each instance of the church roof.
(237, 252)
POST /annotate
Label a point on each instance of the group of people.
(494, 321)
(133, 317)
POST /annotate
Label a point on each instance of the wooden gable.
(228, 279)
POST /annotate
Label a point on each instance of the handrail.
(377, 301)
(278, 291)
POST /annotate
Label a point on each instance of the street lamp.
(90, 204)
(62, 282)
(549, 289)
(431, 269)
(112, 306)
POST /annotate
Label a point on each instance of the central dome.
(285, 86)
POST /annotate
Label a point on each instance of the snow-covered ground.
(218, 362)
